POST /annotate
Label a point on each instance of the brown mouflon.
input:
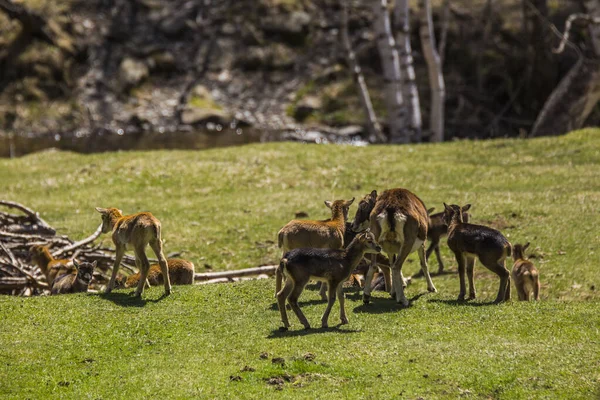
(333, 266)
(524, 274)
(138, 231)
(399, 221)
(470, 241)
(325, 234)
(50, 267)
(181, 272)
(75, 282)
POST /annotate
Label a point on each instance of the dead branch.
(31, 214)
(373, 126)
(568, 24)
(83, 242)
(267, 270)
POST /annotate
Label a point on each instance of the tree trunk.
(572, 101)
(373, 127)
(390, 63)
(592, 7)
(543, 73)
(436, 76)
(409, 85)
(445, 23)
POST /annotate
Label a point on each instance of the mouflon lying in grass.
(181, 272)
(50, 267)
(75, 282)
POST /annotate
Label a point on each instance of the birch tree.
(434, 69)
(390, 63)
(373, 127)
(407, 70)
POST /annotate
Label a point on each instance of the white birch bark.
(373, 127)
(436, 76)
(409, 85)
(390, 63)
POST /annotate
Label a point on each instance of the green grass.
(224, 208)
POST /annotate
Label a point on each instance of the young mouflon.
(138, 231)
(181, 272)
(470, 241)
(50, 267)
(437, 228)
(325, 234)
(333, 266)
(74, 282)
(524, 274)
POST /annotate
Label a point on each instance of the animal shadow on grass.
(276, 333)
(379, 306)
(129, 300)
(462, 302)
(354, 290)
(444, 272)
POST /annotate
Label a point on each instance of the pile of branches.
(19, 232)
(18, 276)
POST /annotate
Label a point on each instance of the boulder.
(132, 72)
(306, 106)
(162, 61)
(201, 108)
(292, 27)
(194, 115)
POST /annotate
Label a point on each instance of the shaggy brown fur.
(181, 272)
(468, 241)
(74, 282)
(50, 267)
(399, 221)
(328, 265)
(436, 229)
(524, 274)
(137, 231)
(325, 234)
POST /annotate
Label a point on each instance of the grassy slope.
(544, 190)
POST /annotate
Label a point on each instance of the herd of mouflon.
(395, 222)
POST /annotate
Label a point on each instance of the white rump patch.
(398, 234)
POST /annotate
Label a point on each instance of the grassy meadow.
(223, 208)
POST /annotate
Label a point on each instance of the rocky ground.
(124, 67)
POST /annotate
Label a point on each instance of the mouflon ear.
(328, 203)
(101, 210)
(430, 210)
(466, 208)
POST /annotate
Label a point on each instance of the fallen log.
(208, 276)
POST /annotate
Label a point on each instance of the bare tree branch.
(83, 242)
(568, 24)
(373, 126)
